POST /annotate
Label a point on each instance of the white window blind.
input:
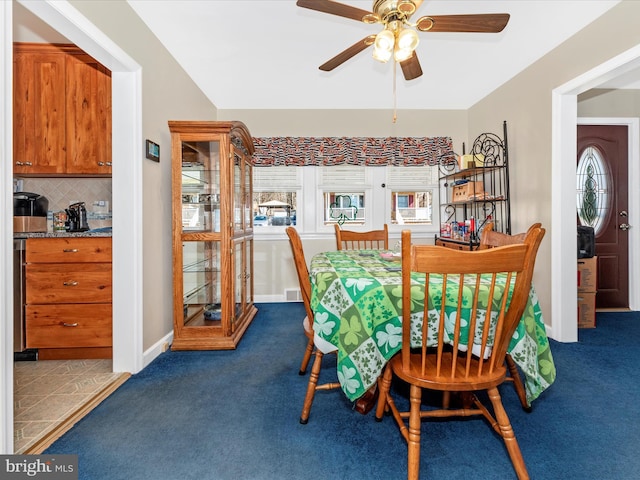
(342, 177)
(414, 178)
(276, 179)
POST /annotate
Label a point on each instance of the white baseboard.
(156, 349)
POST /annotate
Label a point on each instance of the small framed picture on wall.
(153, 151)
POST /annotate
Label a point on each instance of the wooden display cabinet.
(212, 234)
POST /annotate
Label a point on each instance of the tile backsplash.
(96, 193)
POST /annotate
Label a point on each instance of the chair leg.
(517, 383)
(384, 384)
(506, 431)
(413, 459)
(311, 387)
(307, 356)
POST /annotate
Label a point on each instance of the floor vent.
(292, 295)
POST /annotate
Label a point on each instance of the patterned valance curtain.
(362, 151)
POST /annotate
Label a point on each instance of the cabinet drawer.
(68, 283)
(68, 250)
(60, 326)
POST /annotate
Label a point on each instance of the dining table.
(356, 298)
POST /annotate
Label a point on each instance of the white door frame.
(564, 288)
(127, 191)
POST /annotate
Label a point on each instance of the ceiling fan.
(398, 39)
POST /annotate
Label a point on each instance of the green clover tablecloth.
(356, 298)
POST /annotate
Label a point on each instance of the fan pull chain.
(395, 112)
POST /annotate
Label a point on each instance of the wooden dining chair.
(305, 291)
(449, 366)
(490, 239)
(371, 240)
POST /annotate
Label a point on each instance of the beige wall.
(525, 102)
(168, 94)
(600, 102)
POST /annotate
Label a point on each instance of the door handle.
(624, 226)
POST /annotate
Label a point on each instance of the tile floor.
(47, 392)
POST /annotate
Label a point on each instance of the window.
(412, 190)
(411, 207)
(361, 197)
(344, 208)
(344, 192)
(275, 197)
(592, 189)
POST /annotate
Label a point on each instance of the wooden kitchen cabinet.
(68, 301)
(62, 112)
(88, 116)
(39, 144)
(212, 234)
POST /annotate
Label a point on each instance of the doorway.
(603, 179)
(127, 193)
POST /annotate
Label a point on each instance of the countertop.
(98, 232)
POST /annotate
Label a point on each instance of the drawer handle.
(70, 250)
(65, 324)
(72, 283)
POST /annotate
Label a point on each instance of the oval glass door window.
(593, 197)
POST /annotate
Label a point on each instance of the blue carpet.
(234, 415)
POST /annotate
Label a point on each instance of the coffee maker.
(29, 212)
(77, 218)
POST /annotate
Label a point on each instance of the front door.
(608, 144)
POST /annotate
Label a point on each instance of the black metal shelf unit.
(474, 190)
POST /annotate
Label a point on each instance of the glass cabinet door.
(202, 301)
(248, 196)
(201, 186)
(238, 278)
(248, 283)
(238, 192)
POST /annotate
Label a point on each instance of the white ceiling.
(265, 54)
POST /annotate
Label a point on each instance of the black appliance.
(77, 218)
(29, 212)
(586, 242)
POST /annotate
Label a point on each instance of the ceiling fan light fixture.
(385, 40)
(383, 46)
(382, 56)
(408, 39)
(402, 54)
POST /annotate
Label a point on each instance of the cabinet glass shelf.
(200, 198)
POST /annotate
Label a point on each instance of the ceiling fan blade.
(334, 8)
(411, 67)
(480, 23)
(347, 54)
